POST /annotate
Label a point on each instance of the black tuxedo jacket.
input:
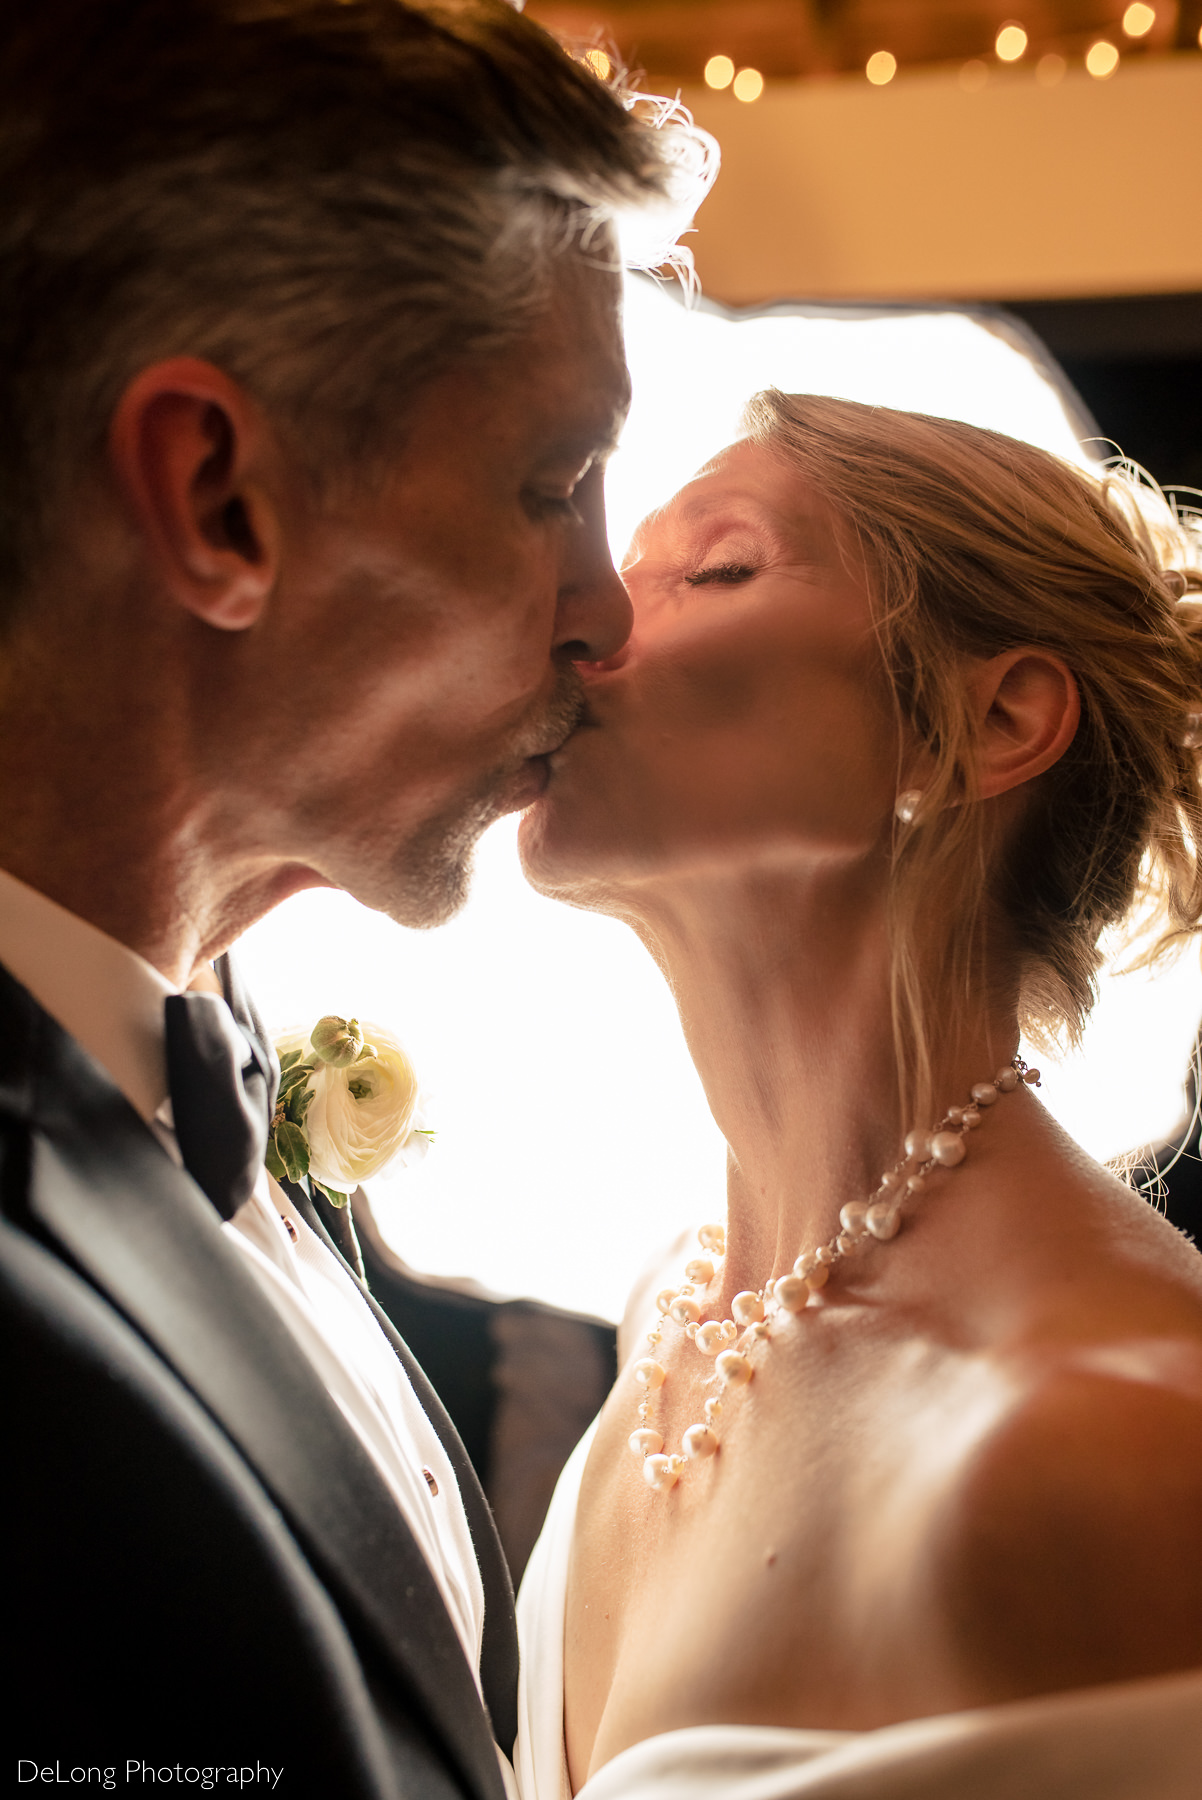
(207, 1567)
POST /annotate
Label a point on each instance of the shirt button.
(290, 1228)
(430, 1481)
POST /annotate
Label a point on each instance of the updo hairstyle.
(977, 544)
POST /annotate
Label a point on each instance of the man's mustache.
(564, 712)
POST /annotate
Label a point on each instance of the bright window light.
(719, 72)
(573, 1137)
(881, 67)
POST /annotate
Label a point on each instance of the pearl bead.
(761, 1330)
(972, 1117)
(747, 1307)
(645, 1442)
(916, 1184)
(768, 1287)
(664, 1298)
(884, 1221)
(691, 1330)
(848, 1245)
(1031, 1077)
(710, 1338)
(852, 1216)
(804, 1264)
(712, 1237)
(648, 1373)
(955, 1115)
(1006, 1080)
(818, 1276)
(734, 1368)
(684, 1310)
(699, 1442)
(892, 1178)
(712, 1409)
(918, 1145)
(730, 1330)
(659, 1473)
(984, 1093)
(947, 1147)
(824, 1254)
(792, 1292)
(700, 1270)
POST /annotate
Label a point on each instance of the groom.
(310, 360)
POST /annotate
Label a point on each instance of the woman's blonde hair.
(976, 544)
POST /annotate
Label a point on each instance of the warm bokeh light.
(599, 63)
(719, 72)
(1050, 69)
(973, 75)
(1010, 43)
(881, 67)
(748, 85)
(1101, 59)
(1139, 19)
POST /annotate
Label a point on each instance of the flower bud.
(338, 1042)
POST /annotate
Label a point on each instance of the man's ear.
(1027, 708)
(187, 448)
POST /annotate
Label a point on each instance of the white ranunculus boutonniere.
(349, 1105)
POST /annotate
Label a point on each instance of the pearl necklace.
(756, 1313)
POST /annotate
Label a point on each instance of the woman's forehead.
(745, 478)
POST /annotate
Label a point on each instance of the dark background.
(1137, 364)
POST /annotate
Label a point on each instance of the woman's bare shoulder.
(1068, 1554)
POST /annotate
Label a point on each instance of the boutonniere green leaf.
(349, 1106)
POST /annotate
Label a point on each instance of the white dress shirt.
(111, 1002)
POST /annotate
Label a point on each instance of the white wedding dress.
(1138, 1740)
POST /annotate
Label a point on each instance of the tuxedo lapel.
(104, 1191)
(499, 1651)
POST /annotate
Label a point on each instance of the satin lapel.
(499, 1651)
(142, 1231)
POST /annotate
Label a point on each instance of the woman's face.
(747, 722)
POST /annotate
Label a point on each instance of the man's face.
(425, 631)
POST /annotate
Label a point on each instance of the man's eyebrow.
(588, 446)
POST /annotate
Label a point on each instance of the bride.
(899, 1492)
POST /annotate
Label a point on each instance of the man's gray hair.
(330, 199)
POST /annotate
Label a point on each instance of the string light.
(1139, 19)
(1101, 59)
(719, 72)
(1050, 69)
(881, 67)
(748, 85)
(1010, 43)
(599, 63)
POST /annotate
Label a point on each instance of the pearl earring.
(907, 805)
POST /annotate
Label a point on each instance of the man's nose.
(594, 614)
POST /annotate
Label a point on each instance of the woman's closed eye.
(721, 574)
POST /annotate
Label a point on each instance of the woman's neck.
(784, 994)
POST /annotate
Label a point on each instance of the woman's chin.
(561, 857)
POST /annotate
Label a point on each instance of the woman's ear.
(186, 446)
(1027, 709)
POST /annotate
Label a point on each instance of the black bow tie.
(223, 1075)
